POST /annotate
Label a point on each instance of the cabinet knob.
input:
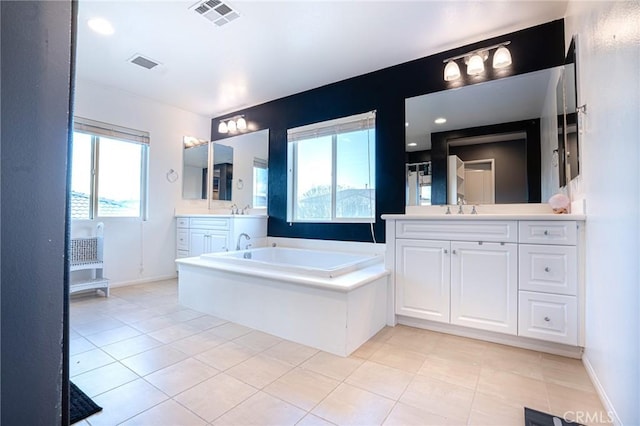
(446, 251)
(547, 269)
(546, 232)
(453, 251)
(547, 319)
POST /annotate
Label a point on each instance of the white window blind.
(98, 128)
(352, 123)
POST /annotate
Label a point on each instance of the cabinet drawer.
(548, 269)
(209, 223)
(182, 239)
(548, 232)
(548, 317)
(182, 253)
(486, 230)
(182, 222)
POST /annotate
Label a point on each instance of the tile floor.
(148, 361)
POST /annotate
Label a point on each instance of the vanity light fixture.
(412, 144)
(475, 61)
(232, 125)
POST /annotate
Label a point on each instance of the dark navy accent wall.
(36, 74)
(385, 90)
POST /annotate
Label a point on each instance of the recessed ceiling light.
(440, 120)
(101, 26)
(412, 144)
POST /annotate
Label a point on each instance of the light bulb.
(475, 65)
(222, 127)
(241, 124)
(451, 71)
(502, 57)
(231, 125)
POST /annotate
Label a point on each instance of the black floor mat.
(80, 405)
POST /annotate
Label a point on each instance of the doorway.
(479, 181)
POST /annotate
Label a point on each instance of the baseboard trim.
(503, 339)
(142, 281)
(606, 402)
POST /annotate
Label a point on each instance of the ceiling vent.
(143, 61)
(215, 11)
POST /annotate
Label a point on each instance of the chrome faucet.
(239, 237)
(234, 209)
(461, 202)
(245, 208)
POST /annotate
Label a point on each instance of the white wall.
(138, 250)
(608, 83)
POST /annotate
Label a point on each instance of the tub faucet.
(240, 237)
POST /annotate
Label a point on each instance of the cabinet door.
(422, 279)
(198, 241)
(218, 241)
(484, 286)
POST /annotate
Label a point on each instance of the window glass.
(119, 178)
(81, 176)
(355, 189)
(260, 184)
(313, 183)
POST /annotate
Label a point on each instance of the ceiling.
(278, 48)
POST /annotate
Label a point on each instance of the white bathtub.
(300, 261)
(331, 301)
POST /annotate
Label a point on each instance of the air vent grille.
(216, 11)
(143, 62)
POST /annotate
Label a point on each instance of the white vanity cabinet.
(200, 234)
(516, 275)
(470, 279)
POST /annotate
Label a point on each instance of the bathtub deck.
(336, 317)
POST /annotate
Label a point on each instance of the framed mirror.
(195, 168)
(499, 131)
(571, 113)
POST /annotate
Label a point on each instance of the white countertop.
(214, 215)
(488, 216)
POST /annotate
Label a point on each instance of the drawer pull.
(547, 269)
(547, 319)
(446, 251)
(546, 232)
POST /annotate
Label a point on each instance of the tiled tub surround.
(511, 278)
(308, 305)
(147, 360)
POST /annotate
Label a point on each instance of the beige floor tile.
(406, 415)
(126, 401)
(230, 330)
(197, 343)
(173, 333)
(414, 339)
(515, 360)
(367, 349)
(215, 396)
(451, 370)
(205, 322)
(460, 348)
(514, 389)
(166, 413)
(104, 379)
(153, 324)
(153, 360)
(88, 360)
(262, 409)
(331, 365)
(349, 405)
(380, 379)
(396, 357)
(290, 352)
(383, 335)
(132, 346)
(79, 344)
(93, 327)
(258, 340)
(260, 370)
(576, 405)
(135, 314)
(302, 388)
(489, 410)
(569, 374)
(438, 397)
(226, 355)
(184, 314)
(311, 420)
(181, 376)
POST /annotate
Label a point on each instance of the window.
(108, 171)
(260, 183)
(332, 171)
